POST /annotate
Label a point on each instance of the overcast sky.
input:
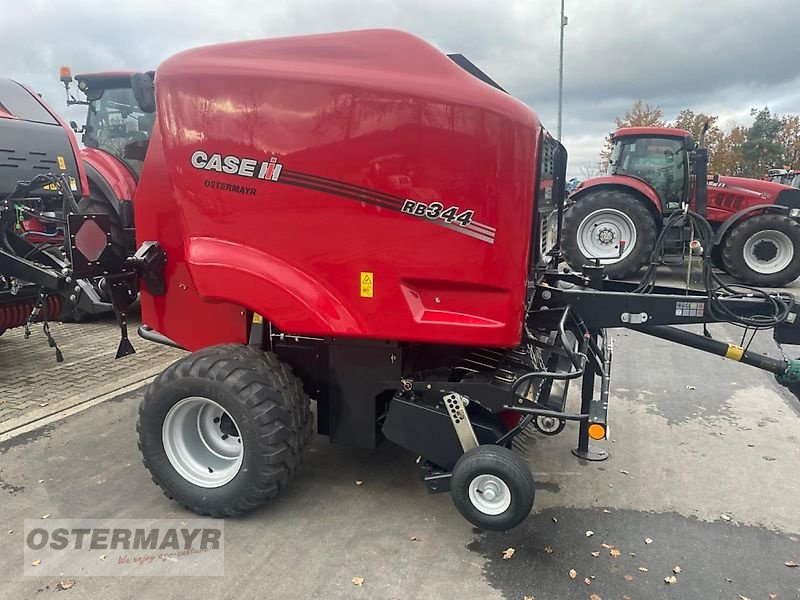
(718, 56)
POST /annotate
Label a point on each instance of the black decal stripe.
(341, 184)
(343, 194)
(381, 199)
(487, 229)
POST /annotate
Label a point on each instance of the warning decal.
(367, 282)
(61, 163)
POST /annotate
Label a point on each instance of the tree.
(641, 114)
(762, 150)
(728, 158)
(688, 120)
(789, 139)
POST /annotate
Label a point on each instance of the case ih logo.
(269, 170)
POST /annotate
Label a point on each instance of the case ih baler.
(274, 245)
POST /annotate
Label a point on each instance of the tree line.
(771, 141)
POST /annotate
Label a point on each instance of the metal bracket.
(461, 423)
(634, 318)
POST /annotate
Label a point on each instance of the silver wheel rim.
(489, 494)
(600, 232)
(768, 251)
(547, 424)
(202, 442)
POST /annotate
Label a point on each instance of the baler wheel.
(222, 430)
(492, 487)
(547, 425)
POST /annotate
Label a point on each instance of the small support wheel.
(492, 487)
(547, 425)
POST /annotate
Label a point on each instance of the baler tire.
(632, 208)
(494, 464)
(735, 242)
(265, 402)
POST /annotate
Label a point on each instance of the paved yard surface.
(704, 463)
(34, 386)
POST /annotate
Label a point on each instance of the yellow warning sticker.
(367, 282)
(73, 184)
(257, 319)
(61, 163)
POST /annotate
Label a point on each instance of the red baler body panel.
(356, 125)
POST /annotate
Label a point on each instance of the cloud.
(720, 57)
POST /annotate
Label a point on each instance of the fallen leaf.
(676, 569)
(102, 557)
(595, 597)
(773, 596)
(605, 510)
(743, 597)
(587, 581)
(359, 581)
(632, 554)
(589, 533)
(41, 481)
(528, 598)
(648, 541)
(555, 520)
(36, 563)
(65, 584)
(623, 471)
(629, 577)
(359, 482)
(725, 517)
(43, 404)
(643, 569)
(10, 531)
(671, 579)
(690, 387)
(791, 564)
(596, 554)
(606, 546)
(626, 597)
(47, 516)
(614, 552)
(573, 573)
(548, 550)
(508, 553)
(414, 538)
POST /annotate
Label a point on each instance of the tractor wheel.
(594, 226)
(222, 430)
(763, 250)
(492, 487)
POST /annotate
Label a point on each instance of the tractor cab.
(116, 123)
(660, 157)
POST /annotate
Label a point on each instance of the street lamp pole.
(561, 69)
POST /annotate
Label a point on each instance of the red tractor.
(655, 172)
(115, 136)
(360, 219)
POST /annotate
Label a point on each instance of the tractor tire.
(223, 430)
(595, 223)
(503, 473)
(763, 250)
